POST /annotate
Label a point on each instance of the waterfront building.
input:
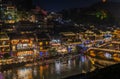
(22, 45)
(68, 37)
(116, 33)
(4, 44)
(25, 26)
(43, 43)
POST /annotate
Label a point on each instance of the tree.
(52, 51)
(6, 55)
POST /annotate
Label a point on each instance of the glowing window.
(13, 48)
(41, 43)
(46, 43)
(41, 48)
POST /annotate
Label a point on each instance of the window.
(41, 48)
(41, 43)
(13, 48)
(46, 43)
(19, 46)
(25, 46)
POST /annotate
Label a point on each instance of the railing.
(107, 50)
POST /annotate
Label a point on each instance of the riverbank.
(110, 72)
(42, 61)
(13, 65)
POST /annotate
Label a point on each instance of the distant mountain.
(108, 12)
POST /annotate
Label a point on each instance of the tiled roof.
(21, 36)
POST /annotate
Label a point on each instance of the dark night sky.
(56, 5)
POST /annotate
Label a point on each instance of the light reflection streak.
(50, 71)
(58, 67)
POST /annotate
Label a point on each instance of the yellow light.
(46, 43)
(103, 1)
(41, 48)
(41, 43)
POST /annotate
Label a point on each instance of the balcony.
(4, 45)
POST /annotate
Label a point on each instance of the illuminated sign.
(14, 41)
(25, 41)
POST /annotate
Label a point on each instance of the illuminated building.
(90, 35)
(4, 43)
(32, 18)
(116, 34)
(22, 45)
(11, 10)
(39, 15)
(25, 26)
(68, 37)
(43, 42)
(10, 14)
(55, 40)
(8, 28)
(8, 11)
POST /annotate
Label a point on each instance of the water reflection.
(57, 67)
(57, 70)
(69, 64)
(25, 73)
(41, 72)
(1, 76)
(35, 72)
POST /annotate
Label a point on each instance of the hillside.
(97, 13)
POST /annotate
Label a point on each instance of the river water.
(59, 69)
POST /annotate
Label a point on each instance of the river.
(57, 70)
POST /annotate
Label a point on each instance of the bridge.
(102, 49)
